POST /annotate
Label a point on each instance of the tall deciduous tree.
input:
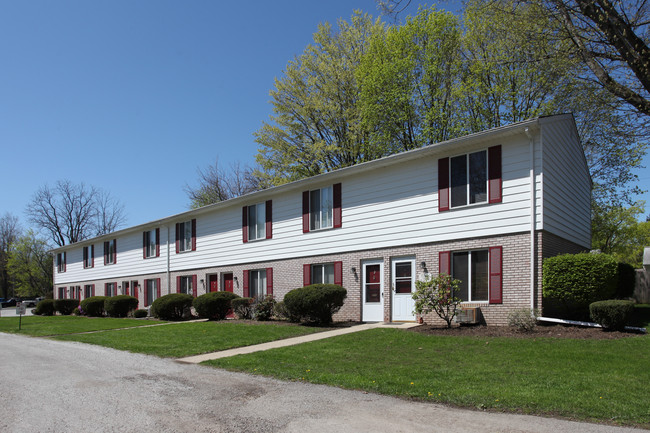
(71, 212)
(217, 184)
(30, 265)
(9, 231)
(317, 125)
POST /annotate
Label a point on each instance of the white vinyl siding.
(392, 206)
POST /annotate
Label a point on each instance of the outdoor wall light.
(423, 265)
(354, 270)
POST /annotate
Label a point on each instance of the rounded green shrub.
(45, 308)
(573, 281)
(214, 305)
(139, 314)
(613, 314)
(243, 308)
(65, 307)
(174, 306)
(316, 303)
(93, 306)
(263, 308)
(120, 305)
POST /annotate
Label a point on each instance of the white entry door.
(372, 288)
(403, 286)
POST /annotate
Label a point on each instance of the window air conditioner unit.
(468, 316)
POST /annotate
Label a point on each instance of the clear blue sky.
(134, 96)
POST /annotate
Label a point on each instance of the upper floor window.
(321, 208)
(186, 236)
(257, 221)
(110, 252)
(469, 179)
(60, 262)
(89, 256)
(151, 243)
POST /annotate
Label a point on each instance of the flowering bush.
(438, 295)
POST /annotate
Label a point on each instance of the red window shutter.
(65, 293)
(494, 174)
(194, 234)
(114, 251)
(195, 289)
(105, 252)
(105, 289)
(144, 245)
(92, 256)
(496, 275)
(269, 219)
(65, 261)
(244, 223)
(269, 281)
(134, 290)
(92, 290)
(444, 262)
(305, 211)
(338, 273)
(178, 284)
(337, 205)
(245, 284)
(158, 242)
(443, 184)
(158, 288)
(306, 275)
(178, 235)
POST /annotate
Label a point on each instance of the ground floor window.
(111, 289)
(257, 283)
(89, 290)
(471, 268)
(151, 288)
(75, 292)
(62, 292)
(185, 285)
(322, 274)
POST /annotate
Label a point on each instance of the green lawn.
(598, 380)
(54, 325)
(186, 339)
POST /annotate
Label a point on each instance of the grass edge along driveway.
(179, 340)
(41, 326)
(591, 380)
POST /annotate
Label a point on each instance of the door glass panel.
(373, 287)
(403, 277)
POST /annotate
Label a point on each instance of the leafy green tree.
(9, 231)
(409, 80)
(317, 123)
(617, 231)
(30, 266)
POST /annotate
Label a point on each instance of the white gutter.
(588, 324)
(532, 217)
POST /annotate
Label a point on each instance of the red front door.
(134, 289)
(214, 282)
(227, 282)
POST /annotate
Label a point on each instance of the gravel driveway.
(52, 386)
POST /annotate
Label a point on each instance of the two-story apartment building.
(485, 208)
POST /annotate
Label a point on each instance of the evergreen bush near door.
(93, 306)
(316, 303)
(65, 307)
(214, 305)
(120, 306)
(172, 306)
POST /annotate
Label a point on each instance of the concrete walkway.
(291, 341)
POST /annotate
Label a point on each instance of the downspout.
(532, 217)
(168, 273)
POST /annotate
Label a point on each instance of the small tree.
(437, 294)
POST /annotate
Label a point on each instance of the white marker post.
(21, 308)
